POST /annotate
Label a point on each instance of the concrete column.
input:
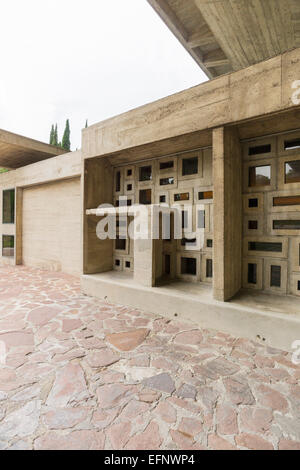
(227, 171)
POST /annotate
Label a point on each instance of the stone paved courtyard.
(84, 374)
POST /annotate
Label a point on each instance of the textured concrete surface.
(67, 383)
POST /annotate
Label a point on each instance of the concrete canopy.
(228, 35)
(17, 151)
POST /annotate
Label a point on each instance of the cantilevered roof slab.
(17, 151)
(229, 35)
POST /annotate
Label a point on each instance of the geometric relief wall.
(271, 208)
(184, 180)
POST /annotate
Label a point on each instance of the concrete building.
(226, 153)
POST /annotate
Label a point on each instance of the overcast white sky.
(82, 59)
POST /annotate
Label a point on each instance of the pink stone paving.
(84, 374)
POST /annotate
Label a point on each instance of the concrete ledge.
(278, 329)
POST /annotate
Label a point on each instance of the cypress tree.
(86, 123)
(55, 136)
(66, 144)
(51, 135)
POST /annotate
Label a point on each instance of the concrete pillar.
(227, 171)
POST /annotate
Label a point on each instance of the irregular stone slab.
(22, 422)
(113, 395)
(102, 358)
(149, 439)
(128, 340)
(77, 440)
(190, 426)
(17, 339)
(192, 338)
(239, 392)
(28, 394)
(119, 435)
(70, 324)
(253, 442)
(69, 386)
(63, 418)
(167, 412)
(162, 382)
(42, 315)
(187, 391)
(222, 367)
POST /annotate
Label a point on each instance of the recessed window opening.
(205, 195)
(129, 187)
(292, 172)
(145, 196)
(252, 273)
(265, 246)
(8, 245)
(166, 165)
(189, 166)
(117, 262)
(253, 202)
(167, 264)
(129, 172)
(275, 276)
(165, 181)
(298, 285)
(252, 225)
(260, 175)
(182, 197)
(209, 243)
(286, 201)
(286, 224)
(209, 268)
(118, 181)
(292, 144)
(259, 149)
(127, 264)
(8, 206)
(162, 198)
(120, 243)
(189, 266)
(145, 173)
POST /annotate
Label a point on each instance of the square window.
(260, 175)
(252, 224)
(117, 262)
(120, 244)
(189, 166)
(8, 245)
(162, 198)
(127, 264)
(292, 172)
(8, 206)
(189, 266)
(145, 196)
(253, 202)
(252, 273)
(209, 268)
(129, 187)
(209, 243)
(201, 219)
(275, 276)
(129, 172)
(146, 173)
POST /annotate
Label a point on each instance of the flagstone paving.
(84, 374)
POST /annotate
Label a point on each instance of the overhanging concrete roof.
(17, 151)
(228, 35)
